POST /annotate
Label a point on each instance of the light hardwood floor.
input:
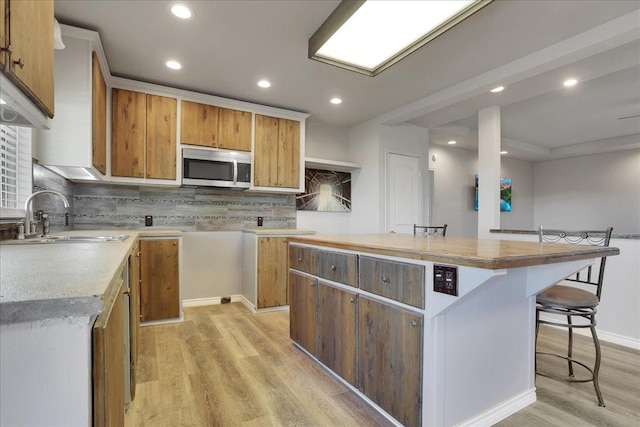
(226, 366)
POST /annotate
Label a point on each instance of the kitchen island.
(435, 331)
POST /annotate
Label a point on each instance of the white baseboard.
(609, 337)
(197, 302)
(503, 410)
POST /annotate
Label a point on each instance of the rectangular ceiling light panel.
(369, 36)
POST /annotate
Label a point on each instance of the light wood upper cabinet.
(161, 137)
(160, 283)
(99, 116)
(128, 133)
(211, 126)
(108, 364)
(27, 36)
(234, 129)
(4, 34)
(272, 271)
(199, 124)
(143, 136)
(277, 152)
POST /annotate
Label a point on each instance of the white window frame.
(24, 173)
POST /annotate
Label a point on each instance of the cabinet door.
(128, 133)
(302, 311)
(108, 364)
(234, 129)
(199, 124)
(31, 39)
(4, 31)
(288, 153)
(272, 271)
(265, 157)
(99, 116)
(160, 286)
(134, 313)
(390, 359)
(161, 137)
(337, 317)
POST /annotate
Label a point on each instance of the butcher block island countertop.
(479, 253)
(376, 311)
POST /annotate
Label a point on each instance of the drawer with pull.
(302, 258)
(396, 280)
(337, 267)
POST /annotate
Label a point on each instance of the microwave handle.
(235, 171)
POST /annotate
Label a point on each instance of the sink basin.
(66, 239)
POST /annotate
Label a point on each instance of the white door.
(404, 193)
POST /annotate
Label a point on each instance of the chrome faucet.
(28, 213)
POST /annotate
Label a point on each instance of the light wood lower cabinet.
(160, 283)
(390, 359)
(108, 364)
(134, 314)
(272, 271)
(337, 320)
(302, 311)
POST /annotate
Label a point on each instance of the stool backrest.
(581, 237)
(427, 230)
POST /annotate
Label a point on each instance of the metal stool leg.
(570, 349)
(596, 367)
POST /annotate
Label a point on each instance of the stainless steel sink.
(66, 239)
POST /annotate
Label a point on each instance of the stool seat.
(568, 297)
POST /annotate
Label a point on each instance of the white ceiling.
(530, 46)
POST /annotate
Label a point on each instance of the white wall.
(589, 192)
(454, 191)
(327, 143)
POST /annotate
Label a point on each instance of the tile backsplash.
(107, 206)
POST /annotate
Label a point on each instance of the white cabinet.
(67, 148)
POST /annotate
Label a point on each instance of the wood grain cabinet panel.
(272, 271)
(199, 124)
(302, 258)
(277, 152)
(28, 28)
(159, 286)
(108, 364)
(390, 359)
(338, 267)
(128, 133)
(302, 311)
(234, 129)
(134, 313)
(161, 137)
(396, 280)
(337, 320)
(98, 116)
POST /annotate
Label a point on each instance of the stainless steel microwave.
(216, 168)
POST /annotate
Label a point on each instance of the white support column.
(488, 170)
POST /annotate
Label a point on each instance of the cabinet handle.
(333, 267)
(313, 284)
(414, 323)
(175, 243)
(7, 49)
(299, 259)
(385, 279)
(19, 63)
(352, 300)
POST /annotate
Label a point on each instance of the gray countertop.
(63, 280)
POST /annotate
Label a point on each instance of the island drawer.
(338, 267)
(302, 258)
(396, 280)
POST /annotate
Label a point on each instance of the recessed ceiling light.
(497, 89)
(336, 101)
(570, 82)
(452, 142)
(504, 152)
(181, 11)
(174, 65)
(264, 83)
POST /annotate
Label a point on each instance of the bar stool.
(574, 303)
(427, 230)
